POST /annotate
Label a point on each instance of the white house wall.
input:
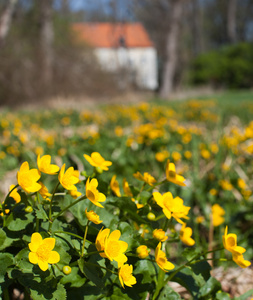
(141, 63)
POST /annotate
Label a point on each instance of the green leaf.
(245, 296)
(210, 288)
(17, 221)
(222, 296)
(144, 196)
(92, 271)
(85, 292)
(168, 293)
(74, 279)
(146, 269)
(127, 235)
(4, 240)
(40, 213)
(6, 260)
(190, 253)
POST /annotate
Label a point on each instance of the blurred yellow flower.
(44, 192)
(92, 216)
(125, 275)
(75, 193)
(226, 185)
(161, 259)
(217, 215)
(45, 166)
(172, 176)
(69, 178)
(159, 235)
(41, 251)
(142, 251)
(230, 244)
(14, 194)
(100, 240)
(213, 192)
(126, 188)
(185, 235)
(96, 160)
(114, 248)
(161, 156)
(146, 177)
(92, 192)
(176, 156)
(188, 154)
(172, 207)
(114, 185)
(27, 178)
(200, 219)
(205, 154)
(241, 183)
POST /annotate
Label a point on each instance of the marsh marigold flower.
(100, 240)
(159, 235)
(93, 194)
(217, 215)
(126, 188)
(125, 275)
(41, 251)
(146, 177)
(161, 259)
(114, 185)
(142, 251)
(114, 248)
(230, 244)
(96, 160)
(44, 192)
(172, 207)
(68, 178)
(92, 216)
(172, 176)
(45, 166)
(75, 193)
(185, 235)
(14, 194)
(27, 178)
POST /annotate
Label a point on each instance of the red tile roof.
(109, 35)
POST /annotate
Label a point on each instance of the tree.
(172, 48)
(5, 20)
(231, 22)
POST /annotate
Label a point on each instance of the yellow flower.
(14, 194)
(125, 275)
(241, 183)
(200, 219)
(114, 248)
(44, 191)
(100, 240)
(176, 156)
(96, 160)
(161, 259)
(114, 185)
(159, 234)
(69, 178)
(126, 188)
(93, 194)
(226, 185)
(230, 244)
(142, 251)
(185, 235)
(75, 194)
(217, 215)
(161, 156)
(92, 216)
(213, 192)
(187, 154)
(27, 179)
(172, 176)
(205, 154)
(172, 207)
(45, 166)
(146, 177)
(41, 251)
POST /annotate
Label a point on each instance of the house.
(122, 46)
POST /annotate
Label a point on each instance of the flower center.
(90, 195)
(172, 174)
(230, 242)
(113, 249)
(43, 252)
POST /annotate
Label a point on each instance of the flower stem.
(69, 233)
(51, 202)
(84, 238)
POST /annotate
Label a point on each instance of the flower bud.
(151, 216)
(28, 209)
(66, 270)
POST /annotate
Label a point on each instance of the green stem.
(6, 294)
(66, 208)
(51, 202)
(91, 253)
(160, 283)
(156, 184)
(160, 217)
(69, 233)
(84, 238)
(98, 266)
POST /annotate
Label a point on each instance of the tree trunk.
(46, 41)
(231, 22)
(171, 49)
(5, 20)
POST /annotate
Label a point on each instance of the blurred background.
(99, 48)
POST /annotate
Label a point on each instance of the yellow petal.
(36, 241)
(50, 242)
(33, 258)
(54, 257)
(115, 235)
(43, 265)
